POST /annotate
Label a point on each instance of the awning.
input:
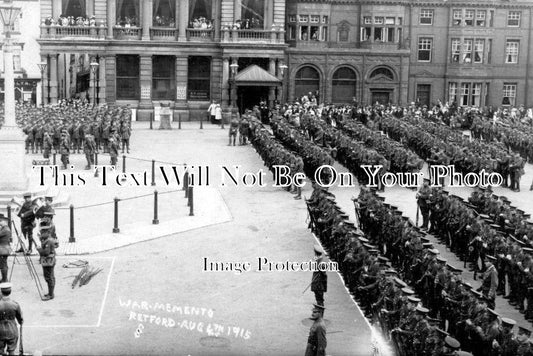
(256, 76)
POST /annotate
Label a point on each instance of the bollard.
(115, 227)
(151, 120)
(71, 238)
(54, 158)
(96, 163)
(201, 122)
(179, 121)
(123, 179)
(222, 123)
(9, 216)
(186, 183)
(191, 202)
(156, 220)
(153, 172)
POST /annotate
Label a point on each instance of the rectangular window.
(292, 18)
(456, 50)
(424, 49)
(304, 33)
(467, 51)
(511, 51)
(163, 78)
(128, 85)
(389, 34)
(509, 94)
(481, 16)
(452, 92)
(303, 18)
(476, 94)
(378, 34)
(465, 93)
(390, 20)
(457, 17)
(426, 17)
(479, 50)
(399, 21)
(469, 17)
(379, 20)
(513, 18)
(199, 78)
(127, 12)
(315, 33)
(365, 33)
(292, 32)
(324, 19)
(324, 33)
(315, 19)
(367, 20)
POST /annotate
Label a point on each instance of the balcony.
(77, 32)
(163, 33)
(200, 35)
(275, 35)
(379, 45)
(127, 33)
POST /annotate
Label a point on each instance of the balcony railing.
(275, 35)
(127, 33)
(92, 32)
(379, 45)
(198, 34)
(163, 33)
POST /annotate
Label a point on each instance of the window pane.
(199, 78)
(467, 51)
(479, 51)
(511, 52)
(513, 18)
(128, 77)
(456, 50)
(452, 92)
(344, 84)
(480, 18)
(163, 78)
(424, 49)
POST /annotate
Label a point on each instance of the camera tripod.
(27, 260)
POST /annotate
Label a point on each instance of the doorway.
(249, 96)
(382, 97)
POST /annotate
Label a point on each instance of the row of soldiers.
(464, 319)
(44, 126)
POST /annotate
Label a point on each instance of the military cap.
(434, 251)
(379, 197)
(496, 226)
(318, 249)
(49, 213)
(462, 353)
(408, 291)
(397, 212)
(344, 216)
(452, 343)
(422, 310)
(391, 271)
(484, 216)
(26, 195)
(405, 218)
(523, 330)
(394, 207)
(492, 312)
(413, 299)
(441, 259)
(526, 216)
(467, 285)
(528, 250)
(426, 180)
(520, 211)
(445, 192)
(5, 286)
(349, 224)
(454, 269)
(491, 258)
(476, 293)
(386, 205)
(363, 239)
(383, 259)
(373, 251)
(508, 322)
(427, 245)
(470, 205)
(442, 332)
(369, 246)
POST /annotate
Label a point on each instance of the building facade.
(238, 52)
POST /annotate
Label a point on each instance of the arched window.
(344, 84)
(307, 81)
(382, 74)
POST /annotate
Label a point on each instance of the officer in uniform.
(319, 283)
(5, 248)
(27, 221)
(423, 197)
(10, 314)
(490, 282)
(316, 342)
(45, 208)
(48, 260)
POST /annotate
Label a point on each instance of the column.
(111, 17)
(90, 8)
(182, 74)
(216, 16)
(272, 90)
(57, 9)
(92, 82)
(101, 84)
(146, 106)
(44, 81)
(110, 79)
(225, 83)
(147, 8)
(183, 20)
(53, 78)
(233, 86)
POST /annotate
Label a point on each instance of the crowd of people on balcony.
(248, 24)
(164, 21)
(201, 23)
(127, 22)
(64, 21)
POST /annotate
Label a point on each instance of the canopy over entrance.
(256, 76)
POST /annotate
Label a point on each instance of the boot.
(50, 294)
(4, 275)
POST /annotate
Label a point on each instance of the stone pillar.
(53, 79)
(111, 17)
(111, 79)
(44, 80)
(89, 9)
(272, 90)
(183, 21)
(101, 85)
(146, 106)
(225, 83)
(216, 16)
(180, 104)
(147, 8)
(57, 9)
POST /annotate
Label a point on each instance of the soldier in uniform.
(89, 148)
(113, 151)
(490, 282)
(233, 128)
(47, 145)
(125, 135)
(48, 260)
(319, 283)
(5, 248)
(317, 342)
(45, 208)
(64, 150)
(10, 314)
(27, 221)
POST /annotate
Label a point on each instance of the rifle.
(417, 213)
(312, 280)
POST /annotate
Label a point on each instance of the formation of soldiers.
(400, 280)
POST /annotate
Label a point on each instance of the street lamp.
(234, 66)
(233, 87)
(282, 68)
(94, 66)
(42, 67)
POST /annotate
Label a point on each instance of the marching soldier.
(89, 148)
(64, 150)
(113, 151)
(27, 221)
(47, 145)
(317, 342)
(423, 197)
(10, 314)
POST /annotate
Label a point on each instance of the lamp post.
(282, 68)
(11, 137)
(94, 66)
(233, 89)
(42, 67)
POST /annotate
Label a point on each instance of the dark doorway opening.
(423, 94)
(249, 96)
(381, 97)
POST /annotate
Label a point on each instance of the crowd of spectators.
(201, 23)
(65, 21)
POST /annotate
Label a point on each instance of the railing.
(54, 31)
(163, 33)
(198, 34)
(275, 35)
(379, 45)
(127, 33)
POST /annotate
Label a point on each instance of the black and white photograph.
(266, 177)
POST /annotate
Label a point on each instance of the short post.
(222, 122)
(151, 121)
(191, 202)
(179, 121)
(186, 183)
(155, 221)
(115, 227)
(153, 172)
(123, 163)
(71, 238)
(96, 163)
(201, 122)
(9, 216)
(54, 158)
